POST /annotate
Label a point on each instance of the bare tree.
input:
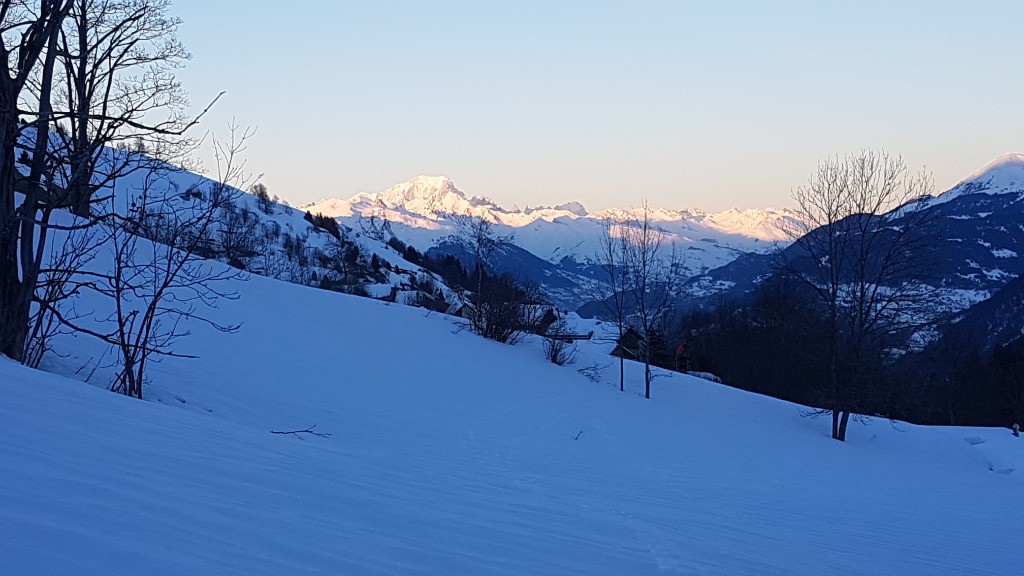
(504, 309)
(612, 254)
(860, 246)
(158, 284)
(56, 290)
(88, 74)
(559, 348)
(117, 63)
(377, 225)
(238, 237)
(480, 239)
(500, 309)
(341, 262)
(27, 30)
(266, 205)
(160, 276)
(651, 277)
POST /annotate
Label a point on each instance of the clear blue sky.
(687, 104)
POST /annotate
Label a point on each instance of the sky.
(705, 105)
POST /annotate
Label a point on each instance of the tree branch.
(298, 433)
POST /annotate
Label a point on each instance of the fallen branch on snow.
(298, 433)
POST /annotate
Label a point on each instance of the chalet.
(630, 346)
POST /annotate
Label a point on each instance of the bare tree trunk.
(652, 276)
(17, 252)
(844, 420)
(863, 259)
(647, 375)
(833, 374)
(12, 325)
(78, 186)
(38, 193)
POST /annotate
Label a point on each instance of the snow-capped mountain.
(1004, 175)
(437, 198)
(555, 246)
(978, 234)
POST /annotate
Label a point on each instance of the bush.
(505, 310)
(557, 349)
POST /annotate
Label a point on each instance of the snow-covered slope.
(451, 454)
(1004, 175)
(265, 237)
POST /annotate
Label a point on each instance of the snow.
(999, 275)
(576, 208)
(1004, 175)
(452, 454)
(425, 204)
(946, 299)
(1006, 171)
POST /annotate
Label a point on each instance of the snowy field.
(451, 454)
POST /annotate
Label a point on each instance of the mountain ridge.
(433, 196)
(1003, 175)
(718, 248)
(979, 238)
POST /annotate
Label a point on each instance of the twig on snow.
(298, 433)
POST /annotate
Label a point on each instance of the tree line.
(778, 344)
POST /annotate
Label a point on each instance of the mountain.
(563, 240)
(435, 198)
(1004, 175)
(977, 228)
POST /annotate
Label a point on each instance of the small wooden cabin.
(631, 346)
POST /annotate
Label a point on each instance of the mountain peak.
(425, 194)
(1004, 174)
(573, 207)
(1007, 159)
(421, 187)
(431, 181)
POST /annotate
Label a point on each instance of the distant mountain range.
(980, 231)
(554, 246)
